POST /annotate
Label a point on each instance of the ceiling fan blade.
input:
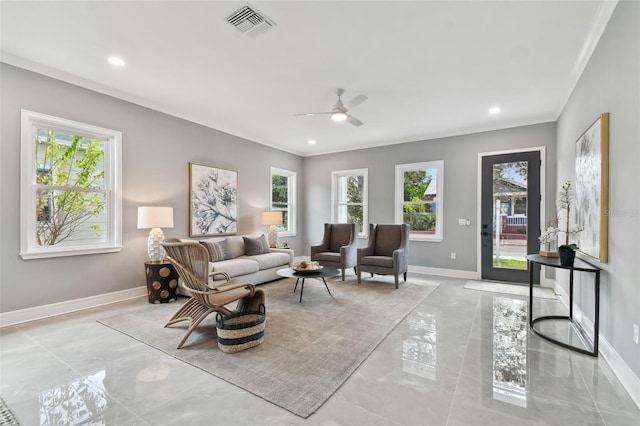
(352, 120)
(312, 113)
(355, 101)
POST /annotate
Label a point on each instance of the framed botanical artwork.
(213, 202)
(592, 189)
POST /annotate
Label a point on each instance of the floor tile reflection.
(461, 357)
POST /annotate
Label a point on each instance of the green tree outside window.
(70, 194)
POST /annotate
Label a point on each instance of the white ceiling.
(429, 68)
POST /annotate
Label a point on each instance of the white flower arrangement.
(565, 198)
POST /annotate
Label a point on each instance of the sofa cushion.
(327, 257)
(218, 251)
(234, 267)
(384, 261)
(269, 260)
(255, 246)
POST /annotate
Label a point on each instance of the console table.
(578, 265)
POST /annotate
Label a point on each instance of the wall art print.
(213, 201)
(592, 189)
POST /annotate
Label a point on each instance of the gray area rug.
(310, 348)
(521, 290)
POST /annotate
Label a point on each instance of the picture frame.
(592, 189)
(213, 201)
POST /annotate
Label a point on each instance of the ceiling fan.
(340, 110)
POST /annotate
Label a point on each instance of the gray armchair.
(338, 246)
(386, 253)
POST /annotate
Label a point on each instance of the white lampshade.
(155, 218)
(272, 218)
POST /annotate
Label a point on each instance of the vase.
(566, 257)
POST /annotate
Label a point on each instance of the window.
(283, 198)
(70, 196)
(419, 200)
(349, 195)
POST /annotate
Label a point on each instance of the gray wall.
(460, 155)
(611, 83)
(156, 151)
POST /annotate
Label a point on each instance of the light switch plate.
(462, 222)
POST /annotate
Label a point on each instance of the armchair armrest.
(324, 244)
(226, 276)
(364, 251)
(231, 285)
(287, 251)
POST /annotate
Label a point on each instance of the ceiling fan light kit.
(340, 110)
(338, 116)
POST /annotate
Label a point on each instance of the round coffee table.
(321, 274)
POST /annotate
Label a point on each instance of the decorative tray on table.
(306, 267)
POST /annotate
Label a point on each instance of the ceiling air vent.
(248, 21)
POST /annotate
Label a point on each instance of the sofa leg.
(355, 270)
(396, 279)
(371, 274)
(405, 277)
(359, 278)
(342, 274)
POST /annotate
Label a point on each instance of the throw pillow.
(218, 251)
(254, 246)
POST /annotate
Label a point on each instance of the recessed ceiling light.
(494, 110)
(114, 60)
(312, 142)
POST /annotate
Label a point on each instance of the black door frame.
(541, 150)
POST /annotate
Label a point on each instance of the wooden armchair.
(191, 260)
(338, 246)
(386, 252)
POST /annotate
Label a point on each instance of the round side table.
(162, 282)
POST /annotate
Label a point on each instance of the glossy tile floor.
(462, 357)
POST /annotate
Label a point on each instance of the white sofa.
(256, 269)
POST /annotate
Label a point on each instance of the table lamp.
(155, 218)
(272, 219)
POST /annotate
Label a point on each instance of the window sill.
(64, 252)
(430, 239)
(286, 234)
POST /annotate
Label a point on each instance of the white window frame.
(291, 202)
(29, 249)
(400, 169)
(335, 176)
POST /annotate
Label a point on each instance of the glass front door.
(510, 214)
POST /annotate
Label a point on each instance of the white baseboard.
(621, 369)
(454, 273)
(45, 311)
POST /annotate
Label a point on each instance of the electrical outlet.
(636, 334)
(453, 256)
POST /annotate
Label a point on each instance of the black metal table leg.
(596, 325)
(571, 294)
(530, 266)
(325, 284)
(294, 289)
(591, 345)
(301, 290)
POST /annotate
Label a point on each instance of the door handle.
(484, 234)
